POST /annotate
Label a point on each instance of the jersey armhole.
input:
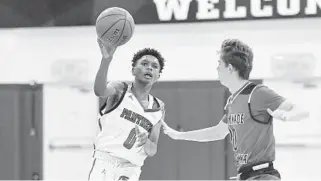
(250, 111)
(116, 105)
(156, 102)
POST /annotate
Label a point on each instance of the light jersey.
(251, 129)
(117, 127)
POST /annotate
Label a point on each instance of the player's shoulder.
(262, 92)
(117, 89)
(252, 87)
(119, 86)
(255, 90)
(261, 89)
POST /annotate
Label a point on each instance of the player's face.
(147, 69)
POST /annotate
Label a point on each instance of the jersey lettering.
(241, 158)
(131, 139)
(235, 119)
(233, 137)
(137, 119)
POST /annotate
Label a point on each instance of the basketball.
(115, 26)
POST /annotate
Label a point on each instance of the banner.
(48, 13)
(173, 11)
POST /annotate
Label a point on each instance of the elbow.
(99, 91)
(99, 88)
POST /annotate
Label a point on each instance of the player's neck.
(141, 91)
(237, 85)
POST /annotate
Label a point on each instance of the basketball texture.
(115, 26)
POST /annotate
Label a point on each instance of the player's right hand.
(171, 132)
(106, 50)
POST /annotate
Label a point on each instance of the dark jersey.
(250, 125)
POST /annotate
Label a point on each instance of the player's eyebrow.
(144, 59)
(154, 63)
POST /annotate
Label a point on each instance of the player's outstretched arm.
(101, 88)
(288, 111)
(265, 99)
(214, 133)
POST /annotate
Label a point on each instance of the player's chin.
(221, 81)
(147, 80)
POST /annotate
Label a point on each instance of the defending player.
(248, 115)
(129, 120)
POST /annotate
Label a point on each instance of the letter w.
(166, 9)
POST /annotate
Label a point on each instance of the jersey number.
(233, 137)
(131, 139)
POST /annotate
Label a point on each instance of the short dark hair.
(152, 52)
(239, 55)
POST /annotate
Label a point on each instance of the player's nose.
(149, 68)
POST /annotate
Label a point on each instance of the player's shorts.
(109, 168)
(263, 171)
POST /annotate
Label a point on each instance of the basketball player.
(249, 112)
(130, 118)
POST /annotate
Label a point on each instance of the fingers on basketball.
(100, 43)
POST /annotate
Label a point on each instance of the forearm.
(203, 135)
(150, 148)
(296, 113)
(101, 77)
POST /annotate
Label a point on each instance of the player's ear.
(158, 76)
(230, 68)
(133, 71)
(156, 80)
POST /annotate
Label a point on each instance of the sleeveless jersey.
(251, 130)
(117, 134)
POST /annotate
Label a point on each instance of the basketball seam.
(122, 31)
(131, 29)
(106, 17)
(110, 28)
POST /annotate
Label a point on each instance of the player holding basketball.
(248, 115)
(130, 118)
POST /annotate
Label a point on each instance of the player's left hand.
(105, 49)
(141, 137)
